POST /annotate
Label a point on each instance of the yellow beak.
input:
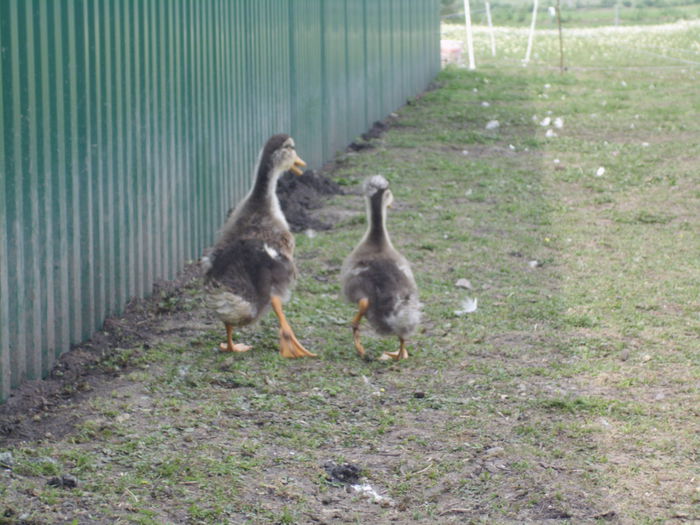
(295, 167)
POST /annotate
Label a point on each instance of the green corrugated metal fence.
(129, 127)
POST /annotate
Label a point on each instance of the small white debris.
(533, 264)
(600, 171)
(550, 133)
(494, 452)
(623, 83)
(493, 124)
(310, 233)
(465, 152)
(552, 11)
(475, 90)
(394, 115)
(545, 122)
(559, 122)
(464, 283)
(6, 460)
(645, 144)
(485, 104)
(468, 192)
(547, 86)
(511, 147)
(469, 306)
(556, 161)
(367, 491)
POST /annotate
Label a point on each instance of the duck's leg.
(289, 344)
(228, 346)
(401, 353)
(362, 306)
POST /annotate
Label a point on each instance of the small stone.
(464, 283)
(6, 459)
(419, 395)
(66, 481)
(494, 452)
(345, 473)
(493, 124)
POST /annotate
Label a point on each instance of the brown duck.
(378, 279)
(251, 266)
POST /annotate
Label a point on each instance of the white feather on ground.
(468, 306)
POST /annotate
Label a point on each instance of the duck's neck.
(263, 195)
(376, 230)
(265, 186)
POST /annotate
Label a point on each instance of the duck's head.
(279, 155)
(377, 192)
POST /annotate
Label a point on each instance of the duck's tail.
(231, 308)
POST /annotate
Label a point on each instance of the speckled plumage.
(377, 272)
(253, 258)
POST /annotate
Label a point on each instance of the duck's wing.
(251, 269)
(381, 281)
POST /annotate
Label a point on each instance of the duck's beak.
(295, 167)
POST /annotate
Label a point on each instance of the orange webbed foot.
(238, 347)
(290, 346)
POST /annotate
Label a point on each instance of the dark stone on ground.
(345, 473)
(66, 482)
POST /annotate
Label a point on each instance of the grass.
(570, 395)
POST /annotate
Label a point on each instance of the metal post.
(561, 39)
(493, 37)
(470, 39)
(530, 37)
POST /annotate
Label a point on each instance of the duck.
(251, 268)
(378, 279)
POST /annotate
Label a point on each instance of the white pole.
(532, 33)
(493, 38)
(470, 39)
